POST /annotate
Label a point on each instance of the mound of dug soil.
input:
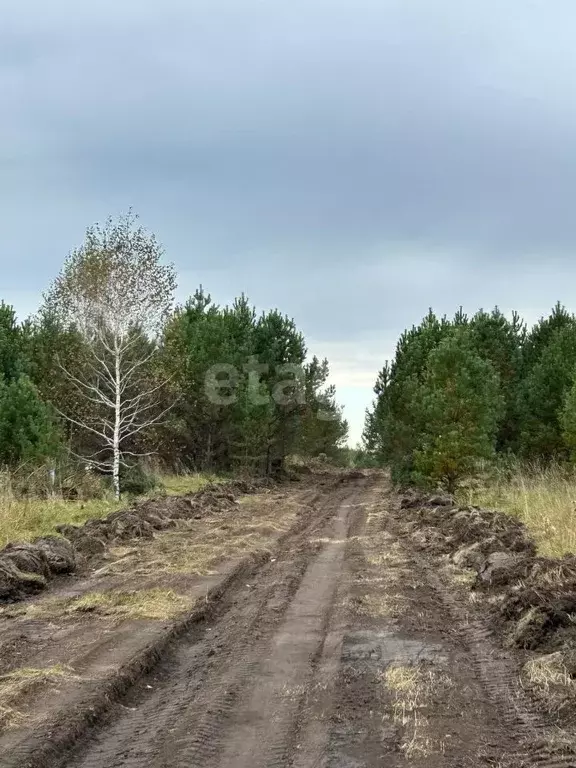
(143, 519)
(471, 533)
(533, 598)
(26, 568)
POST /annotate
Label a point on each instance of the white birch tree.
(117, 292)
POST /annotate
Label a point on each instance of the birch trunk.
(116, 435)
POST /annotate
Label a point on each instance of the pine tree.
(543, 393)
(459, 407)
(28, 428)
(12, 362)
(248, 397)
(392, 426)
(567, 418)
(500, 341)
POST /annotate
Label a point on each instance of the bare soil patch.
(353, 638)
(27, 567)
(529, 601)
(129, 594)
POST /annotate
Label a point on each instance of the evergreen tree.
(393, 425)
(323, 428)
(12, 361)
(377, 426)
(51, 348)
(500, 341)
(543, 393)
(567, 418)
(541, 335)
(28, 429)
(459, 406)
(247, 396)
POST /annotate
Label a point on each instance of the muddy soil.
(347, 647)
(28, 568)
(527, 601)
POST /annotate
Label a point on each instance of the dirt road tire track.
(177, 715)
(51, 743)
(287, 669)
(531, 739)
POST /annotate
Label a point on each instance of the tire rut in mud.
(522, 737)
(230, 692)
(298, 666)
(419, 682)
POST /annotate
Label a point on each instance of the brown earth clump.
(533, 599)
(26, 568)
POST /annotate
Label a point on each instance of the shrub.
(136, 481)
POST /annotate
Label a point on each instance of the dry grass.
(413, 687)
(546, 671)
(551, 681)
(383, 551)
(175, 553)
(463, 577)
(405, 680)
(138, 604)
(22, 682)
(27, 519)
(380, 606)
(545, 500)
(156, 603)
(198, 551)
(180, 485)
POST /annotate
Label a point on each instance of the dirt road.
(345, 650)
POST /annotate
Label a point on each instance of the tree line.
(465, 390)
(109, 371)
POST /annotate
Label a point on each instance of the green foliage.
(392, 427)
(248, 398)
(11, 359)
(135, 480)
(458, 411)
(542, 396)
(51, 349)
(541, 335)
(500, 341)
(28, 429)
(28, 432)
(568, 419)
(107, 371)
(412, 424)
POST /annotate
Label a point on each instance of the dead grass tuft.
(551, 679)
(548, 670)
(154, 603)
(380, 606)
(138, 604)
(22, 682)
(464, 577)
(544, 499)
(413, 687)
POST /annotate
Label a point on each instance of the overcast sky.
(349, 161)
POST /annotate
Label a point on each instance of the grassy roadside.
(26, 519)
(545, 500)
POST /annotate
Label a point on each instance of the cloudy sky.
(350, 161)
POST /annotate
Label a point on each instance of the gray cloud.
(353, 162)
